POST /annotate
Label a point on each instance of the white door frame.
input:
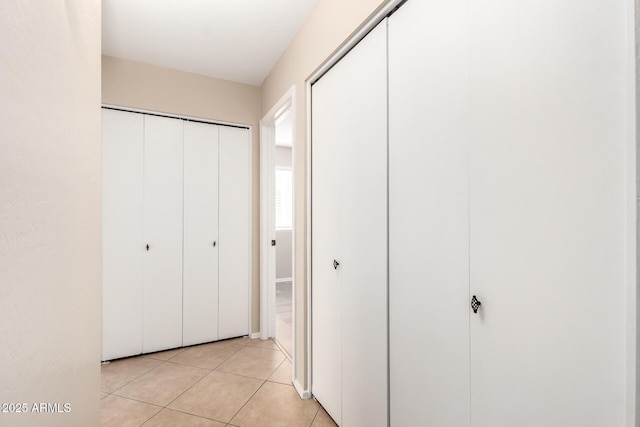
(267, 217)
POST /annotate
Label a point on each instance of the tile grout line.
(240, 347)
(135, 378)
(315, 416)
(195, 415)
(139, 401)
(248, 400)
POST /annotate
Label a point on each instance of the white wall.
(50, 210)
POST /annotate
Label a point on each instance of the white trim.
(354, 39)
(309, 360)
(631, 364)
(176, 116)
(304, 394)
(250, 225)
(286, 279)
(267, 219)
(254, 335)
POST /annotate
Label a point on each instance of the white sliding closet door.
(122, 238)
(163, 180)
(429, 215)
(547, 213)
(200, 278)
(326, 288)
(349, 169)
(234, 231)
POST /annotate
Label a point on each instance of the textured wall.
(50, 288)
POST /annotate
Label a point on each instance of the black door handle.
(475, 304)
(214, 243)
(147, 247)
(335, 264)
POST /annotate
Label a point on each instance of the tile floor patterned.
(238, 382)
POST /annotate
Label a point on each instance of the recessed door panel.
(326, 292)
(429, 215)
(234, 231)
(363, 240)
(122, 237)
(163, 180)
(200, 283)
(349, 217)
(547, 205)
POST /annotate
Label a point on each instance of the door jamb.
(267, 217)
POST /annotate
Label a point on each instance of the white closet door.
(200, 277)
(429, 215)
(234, 231)
(547, 213)
(350, 175)
(326, 290)
(364, 232)
(163, 182)
(122, 238)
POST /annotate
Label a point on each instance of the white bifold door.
(234, 231)
(200, 280)
(162, 233)
(349, 236)
(547, 210)
(122, 233)
(428, 215)
(176, 233)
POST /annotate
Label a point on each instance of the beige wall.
(137, 85)
(328, 27)
(50, 268)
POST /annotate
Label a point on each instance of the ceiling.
(237, 40)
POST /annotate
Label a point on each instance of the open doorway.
(284, 230)
(277, 233)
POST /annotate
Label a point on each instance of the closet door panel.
(429, 215)
(349, 214)
(200, 277)
(547, 213)
(326, 290)
(163, 181)
(122, 237)
(234, 231)
(363, 142)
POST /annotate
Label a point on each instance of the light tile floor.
(238, 382)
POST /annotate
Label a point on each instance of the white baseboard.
(254, 335)
(286, 279)
(304, 394)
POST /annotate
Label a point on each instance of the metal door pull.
(475, 304)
